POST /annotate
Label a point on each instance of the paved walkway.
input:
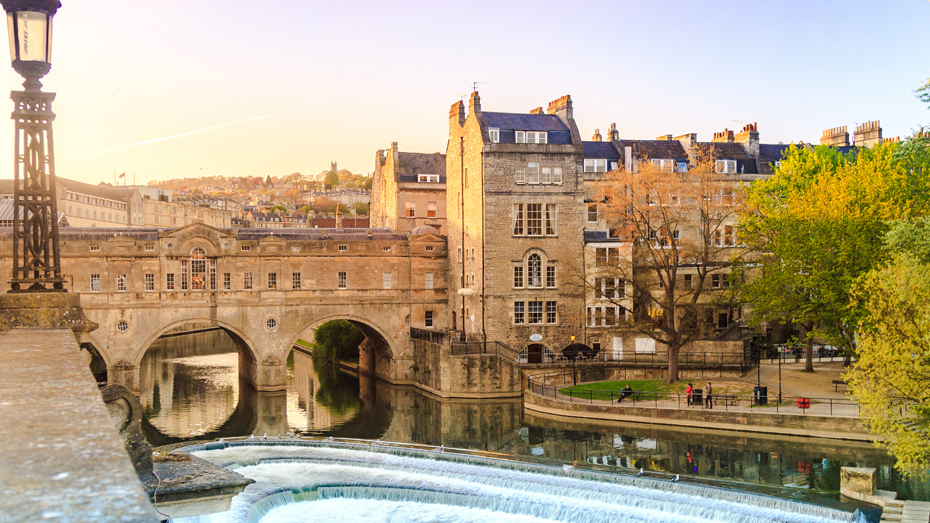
(906, 511)
(61, 458)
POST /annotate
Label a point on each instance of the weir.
(349, 480)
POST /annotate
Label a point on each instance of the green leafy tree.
(816, 226)
(891, 379)
(278, 208)
(337, 340)
(923, 93)
(331, 179)
(361, 208)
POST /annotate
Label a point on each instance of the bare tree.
(677, 232)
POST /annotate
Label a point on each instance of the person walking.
(688, 392)
(708, 398)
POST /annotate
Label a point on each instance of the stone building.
(514, 196)
(408, 190)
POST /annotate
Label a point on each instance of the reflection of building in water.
(304, 412)
(189, 384)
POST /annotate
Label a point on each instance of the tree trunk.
(809, 362)
(673, 351)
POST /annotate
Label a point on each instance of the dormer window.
(664, 165)
(682, 167)
(726, 166)
(428, 178)
(595, 166)
(494, 135)
(530, 136)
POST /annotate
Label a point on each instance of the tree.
(278, 208)
(815, 227)
(331, 179)
(679, 229)
(923, 93)
(891, 380)
(361, 208)
(337, 340)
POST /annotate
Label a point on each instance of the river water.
(190, 391)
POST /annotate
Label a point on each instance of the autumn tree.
(331, 179)
(679, 228)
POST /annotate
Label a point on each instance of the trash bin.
(762, 395)
(697, 396)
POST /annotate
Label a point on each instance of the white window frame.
(94, 283)
(519, 176)
(428, 178)
(545, 175)
(149, 281)
(519, 313)
(537, 137)
(664, 165)
(519, 136)
(532, 173)
(428, 318)
(682, 167)
(122, 283)
(494, 134)
(343, 280)
(725, 166)
(410, 209)
(595, 212)
(595, 165)
(557, 175)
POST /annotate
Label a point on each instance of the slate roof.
(317, 234)
(524, 122)
(771, 153)
(412, 164)
(655, 149)
(725, 150)
(601, 150)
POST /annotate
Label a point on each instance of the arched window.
(198, 269)
(534, 271)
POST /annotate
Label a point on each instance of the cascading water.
(310, 481)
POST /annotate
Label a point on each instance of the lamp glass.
(30, 36)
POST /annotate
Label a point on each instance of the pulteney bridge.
(267, 288)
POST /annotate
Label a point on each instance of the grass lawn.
(602, 389)
(303, 343)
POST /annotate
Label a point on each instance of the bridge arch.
(242, 340)
(377, 353)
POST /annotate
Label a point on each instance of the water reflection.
(190, 391)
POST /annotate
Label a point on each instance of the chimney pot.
(538, 110)
(597, 135)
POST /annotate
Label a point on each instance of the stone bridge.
(266, 287)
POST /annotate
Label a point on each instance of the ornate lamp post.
(36, 261)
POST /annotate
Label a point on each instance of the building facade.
(408, 190)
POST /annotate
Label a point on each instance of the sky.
(175, 89)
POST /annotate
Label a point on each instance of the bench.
(837, 383)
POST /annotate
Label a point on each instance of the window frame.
(343, 280)
(428, 318)
(410, 209)
(532, 173)
(519, 313)
(149, 281)
(387, 280)
(296, 281)
(247, 282)
(494, 134)
(94, 283)
(432, 210)
(518, 277)
(122, 283)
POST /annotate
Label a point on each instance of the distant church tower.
(333, 167)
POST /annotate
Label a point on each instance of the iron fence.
(558, 386)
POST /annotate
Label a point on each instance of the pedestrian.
(688, 392)
(708, 399)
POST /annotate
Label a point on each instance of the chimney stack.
(562, 107)
(664, 138)
(597, 136)
(725, 136)
(474, 103)
(538, 110)
(749, 138)
(836, 137)
(613, 135)
(868, 134)
(457, 114)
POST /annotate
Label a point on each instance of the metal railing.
(556, 385)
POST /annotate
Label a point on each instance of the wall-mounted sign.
(535, 337)
(472, 317)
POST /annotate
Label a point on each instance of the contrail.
(162, 139)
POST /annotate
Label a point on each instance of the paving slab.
(61, 458)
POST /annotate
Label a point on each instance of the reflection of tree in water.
(338, 390)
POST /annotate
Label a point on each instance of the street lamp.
(36, 260)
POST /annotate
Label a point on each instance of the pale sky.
(301, 83)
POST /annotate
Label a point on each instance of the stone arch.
(242, 340)
(376, 354)
(188, 246)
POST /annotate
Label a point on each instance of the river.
(190, 390)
